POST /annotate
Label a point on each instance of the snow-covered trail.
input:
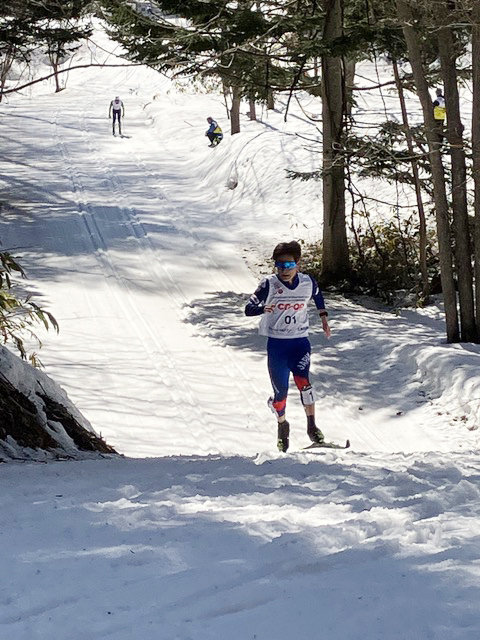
(139, 251)
(205, 548)
(104, 219)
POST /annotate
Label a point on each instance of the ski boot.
(315, 435)
(283, 433)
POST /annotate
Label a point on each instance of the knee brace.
(278, 407)
(308, 395)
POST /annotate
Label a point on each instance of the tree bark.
(57, 79)
(422, 223)
(22, 422)
(335, 261)
(5, 66)
(461, 229)
(349, 84)
(252, 113)
(476, 147)
(406, 18)
(270, 100)
(235, 111)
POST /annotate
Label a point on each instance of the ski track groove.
(138, 232)
(173, 209)
(135, 224)
(109, 271)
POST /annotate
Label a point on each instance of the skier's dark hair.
(292, 248)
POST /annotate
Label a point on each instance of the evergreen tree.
(60, 28)
(218, 39)
(16, 37)
(18, 315)
(28, 25)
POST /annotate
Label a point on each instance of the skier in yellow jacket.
(213, 133)
(439, 114)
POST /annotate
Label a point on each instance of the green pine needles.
(19, 315)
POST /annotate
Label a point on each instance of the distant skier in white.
(118, 110)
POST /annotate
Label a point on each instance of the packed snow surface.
(145, 248)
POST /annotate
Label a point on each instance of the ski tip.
(347, 444)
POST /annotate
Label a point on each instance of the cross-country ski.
(328, 445)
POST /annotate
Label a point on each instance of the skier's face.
(287, 267)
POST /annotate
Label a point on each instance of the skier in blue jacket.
(281, 299)
(214, 132)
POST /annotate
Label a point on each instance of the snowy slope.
(376, 546)
(146, 258)
(141, 251)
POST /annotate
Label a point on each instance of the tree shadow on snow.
(220, 317)
(195, 547)
(372, 356)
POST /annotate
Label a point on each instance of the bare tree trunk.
(406, 18)
(227, 96)
(349, 83)
(55, 71)
(461, 230)
(476, 146)
(418, 189)
(54, 58)
(235, 111)
(252, 113)
(5, 66)
(270, 99)
(335, 261)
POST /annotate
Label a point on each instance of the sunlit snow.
(146, 256)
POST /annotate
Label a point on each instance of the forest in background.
(254, 51)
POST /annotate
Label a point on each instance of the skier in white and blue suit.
(118, 110)
(281, 299)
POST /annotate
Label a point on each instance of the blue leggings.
(285, 357)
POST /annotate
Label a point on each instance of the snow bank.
(37, 419)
